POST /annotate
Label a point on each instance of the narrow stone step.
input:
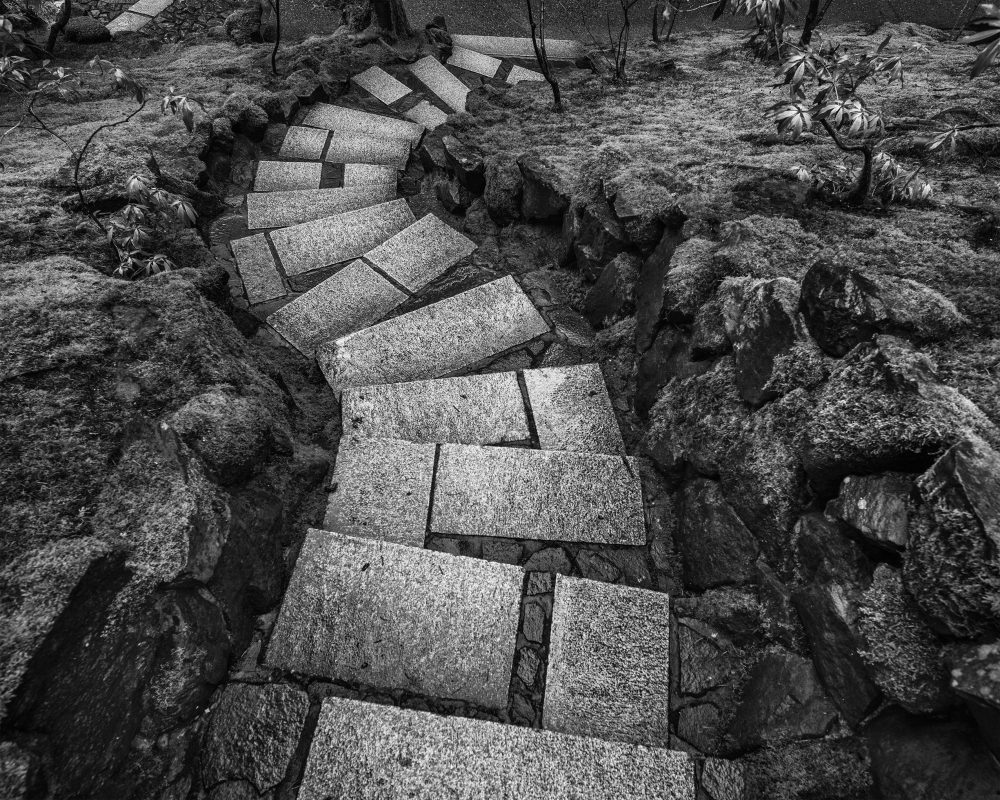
(537, 494)
(344, 237)
(516, 47)
(396, 617)
(420, 253)
(257, 269)
(277, 176)
(381, 85)
(364, 751)
(369, 174)
(303, 142)
(350, 299)
(427, 115)
(365, 148)
(471, 61)
(572, 409)
(441, 339)
(519, 73)
(436, 77)
(351, 120)
(278, 209)
(609, 656)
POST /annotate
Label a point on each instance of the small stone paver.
(420, 253)
(471, 61)
(476, 409)
(128, 22)
(436, 77)
(397, 617)
(519, 73)
(365, 751)
(257, 269)
(537, 494)
(280, 209)
(381, 85)
(381, 489)
(609, 662)
(363, 148)
(276, 176)
(518, 47)
(444, 338)
(350, 299)
(427, 115)
(368, 174)
(150, 8)
(345, 120)
(303, 142)
(572, 409)
(343, 237)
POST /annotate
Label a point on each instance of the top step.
(351, 120)
(514, 47)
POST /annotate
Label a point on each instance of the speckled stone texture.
(257, 268)
(441, 339)
(129, 22)
(436, 77)
(276, 176)
(420, 253)
(339, 238)
(398, 617)
(427, 115)
(477, 409)
(381, 489)
(302, 142)
(381, 85)
(350, 299)
(572, 410)
(609, 662)
(519, 73)
(365, 174)
(364, 751)
(472, 61)
(516, 47)
(280, 209)
(345, 120)
(535, 494)
(363, 148)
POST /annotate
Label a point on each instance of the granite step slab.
(444, 84)
(364, 148)
(277, 176)
(351, 120)
(427, 115)
(364, 751)
(519, 47)
(518, 73)
(537, 494)
(340, 238)
(303, 142)
(608, 672)
(441, 339)
(381, 85)
(471, 61)
(420, 253)
(280, 209)
(128, 22)
(257, 269)
(352, 298)
(395, 617)
(370, 174)
(572, 409)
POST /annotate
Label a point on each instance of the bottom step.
(362, 751)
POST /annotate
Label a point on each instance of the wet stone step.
(609, 656)
(420, 253)
(572, 409)
(471, 61)
(364, 751)
(276, 176)
(427, 115)
(302, 142)
(516, 47)
(519, 73)
(370, 174)
(444, 338)
(537, 494)
(444, 84)
(257, 269)
(280, 209)
(381, 85)
(364, 148)
(396, 617)
(351, 120)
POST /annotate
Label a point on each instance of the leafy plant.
(984, 31)
(771, 17)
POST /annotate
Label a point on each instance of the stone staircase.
(384, 596)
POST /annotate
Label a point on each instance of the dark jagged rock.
(454, 196)
(504, 188)
(546, 193)
(246, 116)
(706, 659)
(975, 677)
(876, 506)
(669, 357)
(644, 225)
(649, 288)
(593, 233)
(828, 768)
(715, 546)
(243, 25)
(690, 281)
(824, 550)
(613, 296)
(465, 164)
(722, 780)
(715, 324)
(306, 85)
(549, 559)
(702, 725)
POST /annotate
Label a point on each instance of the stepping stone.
(363, 148)
(381, 489)
(396, 617)
(436, 77)
(257, 269)
(472, 61)
(151, 8)
(365, 751)
(478, 409)
(609, 662)
(428, 115)
(381, 85)
(274, 176)
(572, 410)
(351, 120)
(417, 255)
(444, 338)
(128, 22)
(278, 209)
(302, 142)
(343, 237)
(519, 73)
(368, 174)
(537, 494)
(516, 47)
(350, 299)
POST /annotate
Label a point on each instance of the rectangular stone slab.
(280, 209)
(472, 61)
(276, 176)
(365, 751)
(257, 269)
(436, 77)
(368, 174)
(609, 662)
(350, 299)
(519, 73)
(430, 116)
(381, 489)
(572, 409)
(397, 617)
(363, 148)
(381, 85)
(150, 8)
(303, 142)
(441, 339)
(128, 22)
(476, 409)
(344, 120)
(342, 237)
(420, 253)
(517, 47)
(537, 494)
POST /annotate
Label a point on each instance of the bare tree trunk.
(814, 16)
(59, 24)
(276, 5)
(391, 16)
(538, 42)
